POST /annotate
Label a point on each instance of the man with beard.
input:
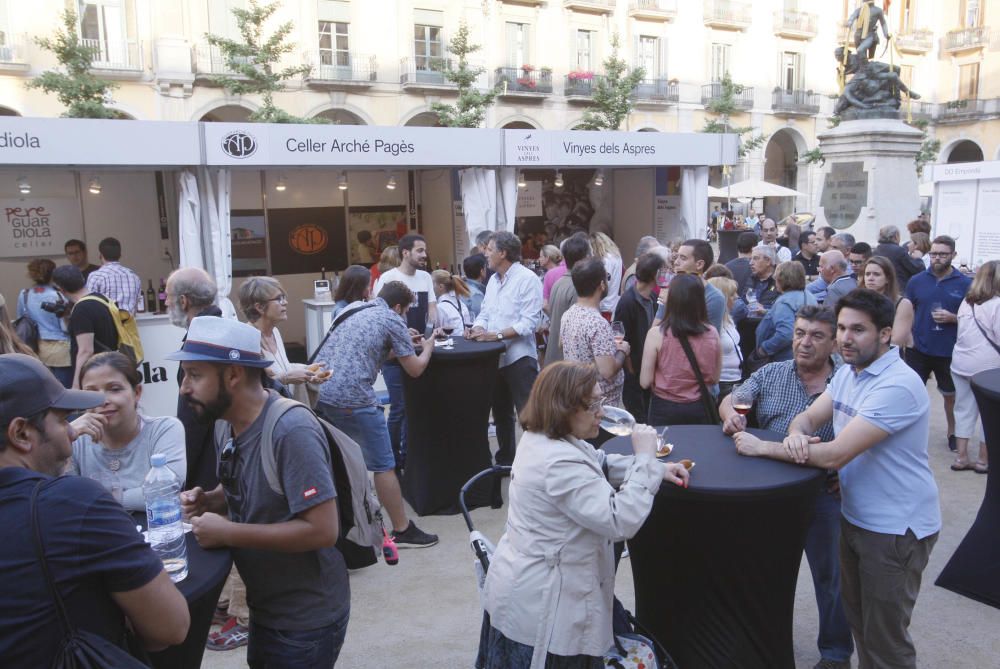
(936, 294)
(781, 391)
(103, 570)
(191, 292)
(890, 508)
(283, 545)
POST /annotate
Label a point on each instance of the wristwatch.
(500, 336)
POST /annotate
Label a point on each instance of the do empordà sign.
(38, 226)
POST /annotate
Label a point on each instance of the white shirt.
(420, 282)
(613, 266)
(782, 253)
(513, 301)
(452, 312)
(731, 355)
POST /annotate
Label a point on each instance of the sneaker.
(952, 446)
(231, 636)
(833, 664)
(413, 537)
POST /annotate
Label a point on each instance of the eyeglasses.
(596, 406)
(940, 255)
(227, 463)
(280, 299)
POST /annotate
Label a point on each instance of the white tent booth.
(292, 200)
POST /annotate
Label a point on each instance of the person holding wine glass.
(449, 291)
(115, 441)
(778, 392)
(561, 501)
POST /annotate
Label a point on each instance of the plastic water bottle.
(752, 305)
(161, 488)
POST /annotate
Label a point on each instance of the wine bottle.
(140, 304)
(162, 296)
(151, 298)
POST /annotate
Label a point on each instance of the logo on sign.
(527, 150)
(308, 239)
(239, 144)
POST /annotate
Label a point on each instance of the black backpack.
(25, 326)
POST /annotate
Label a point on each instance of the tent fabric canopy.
(203, 219)
(756, 188)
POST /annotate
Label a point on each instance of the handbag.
(636, 647)
(983, 331)
(711, 411)
(25, 326)
(80, 649)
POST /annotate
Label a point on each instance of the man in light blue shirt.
(511, 312)
(891, 512)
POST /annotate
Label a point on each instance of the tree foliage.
(612, 93)
(254, 62)
(724, 106)
(84, 94)
(469, 111)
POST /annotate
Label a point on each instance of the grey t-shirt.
(156, 435)
(286, 591)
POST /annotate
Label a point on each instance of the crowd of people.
(821, 332)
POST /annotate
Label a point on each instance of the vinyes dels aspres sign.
(38, 226)
(534, 148)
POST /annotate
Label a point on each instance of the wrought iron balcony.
(580, 86)
(109, 56)
(13, 53)
(653, 10)
(656, 92)
(742, 96)
(341, 71)
(963, 111)
(523, 81)
(425, 73)
(795, 25)
(794, 103)
(965, 39)
(209, 62)
(591, 6)
(915, 41)
(917, 110)
(727, 14)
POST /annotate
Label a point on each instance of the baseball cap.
(27, 387)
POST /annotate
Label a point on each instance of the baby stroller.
(633, 647)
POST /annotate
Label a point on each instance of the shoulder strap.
(36, 529)
(983, 331)
(269, 462)
(706, 398)
(341, 317)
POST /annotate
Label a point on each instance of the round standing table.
(974, 569)
(447, 419)
(207, 572)
(715, 565)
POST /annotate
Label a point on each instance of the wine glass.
(742, 398)
(617, 421)
(618, 330)
(934, 307)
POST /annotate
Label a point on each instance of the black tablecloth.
(715, 565)
(974, 569)
(447, 418)
(207, 572)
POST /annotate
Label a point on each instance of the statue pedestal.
(869, 178)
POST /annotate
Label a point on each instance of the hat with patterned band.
(221, 340)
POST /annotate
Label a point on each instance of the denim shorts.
(367, 427)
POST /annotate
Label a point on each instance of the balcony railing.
(795, 102)
(580, 85)
(915, 41)
(13, 50)
(966, 38)
(918, 110)
(521, 81)
(594, 6)
(425, 72)
(342, 69)
(653, 10)
(742, 97)
(727, 14)
(209, 60)
(107, 55)
(962, 111)
(656, 91)
(795, 25)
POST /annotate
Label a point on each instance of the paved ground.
(424, 612)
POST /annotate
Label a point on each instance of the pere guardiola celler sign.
(38, 226)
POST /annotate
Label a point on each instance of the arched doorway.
(7, 111)
(518, 125)
(781, 167)
(227, 114)
(966, 151)
(341, 117)
(648, 130)
(424, 120)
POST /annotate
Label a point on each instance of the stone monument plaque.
(845, 193)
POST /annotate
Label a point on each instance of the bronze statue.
(865, 20)
(874, 85)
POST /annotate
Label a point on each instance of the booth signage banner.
(529, 199)
(536, 148)
(967, 171)
(984, 244)
(38, 226)
(257, 144)
(73, 141)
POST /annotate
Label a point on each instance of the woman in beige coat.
(551, 581)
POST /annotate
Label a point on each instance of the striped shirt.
(118, 283)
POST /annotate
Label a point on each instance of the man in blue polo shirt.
(936, 295)
(891, 513)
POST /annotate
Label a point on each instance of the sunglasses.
(227, 463)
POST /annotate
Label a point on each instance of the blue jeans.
(293, 649)
(366, 426)
(392, 373)
(823, 552)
